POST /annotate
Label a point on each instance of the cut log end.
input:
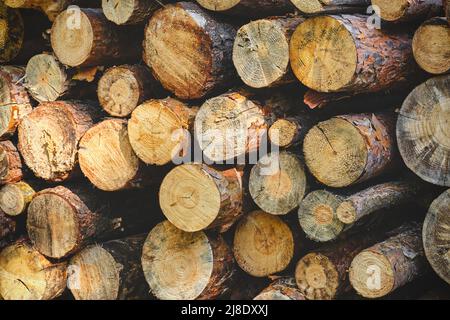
(118, 11)
(10, 163)
(281, 289)
(343, 153)
(346, 212)
(218, 5)
(309, 6)
(12, 31)
(323, 54)
(261, 53)
(15, 197)
(317, 277)
(283, 132)
(263, 244)
(277, 183)
(392, 10)
(106, 157)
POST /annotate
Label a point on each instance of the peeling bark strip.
(123, 12)
(261, 51)
(14, 100)
(277, 183)
(189, 50)
(249, 7)
(25, 274)
(340, 53)
(161, 130)
(263, 244)
(7, 226)
(331, 6)
(372, 199)
(121, 89)
(436, 236)
(389, 265)
(281, 289)
(195, 197)
(322, 273)
(181, 265)
(431, 46)
(349, 149)
(49, 136)
(109, 271)
(423, 131)
(15, 197)
(96, 41)
(408, 10)
(10, 163)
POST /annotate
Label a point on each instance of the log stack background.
(105, 105)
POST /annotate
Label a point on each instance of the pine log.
(14, 100)
(431, 46)
(25, 274)
(108, 160)
(10, 163)
(408, 10)
(423, 131)
(95, 41)
(189, 50)
(290, 131)
(277, 183)
(181, 265)
(7, 226)
(49, 136)
(15, 198)
(252, 8)
(349, 149)
(389, 265)
(160, 130)
(379, 197)
(281, 289)
(123, 12)
(261, 51)
(195, 197)
(331, 6)
(436, 236)
(263, 244)
(121, 89)
(341, 53)
(109, 271)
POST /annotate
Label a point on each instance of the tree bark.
(281, 289)
(331, 6)
(358, 59)
(95, 41)
(10, 163)
(160, 130)
(263, 244)
(125, 12)
(389, 265)
(446, 4)
(436, 238)
(25, 274)
(195, 197)
(277, 182)
(109, 271)
(14, 100)
(252, 8)
(431, 46)
(348, 149)
(7, 226)
(49, 137)
(181, 265)
(189, 50)
(423, 131)
(15, 198)
(408, 10)
(261, 51)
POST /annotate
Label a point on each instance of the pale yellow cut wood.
(15, 197)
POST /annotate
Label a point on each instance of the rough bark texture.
(431, 46)
(25, 274)
(96, 41)
(331, 6)
(160, 131)
(10, 163)
(250, 8)
(15, 197)
(349, 149)
(123, 12)
(423, 131)
(408, 10)
(358, 59)
(182, 265)
(7, 226)
(446, 5)
(389, 265)
(261, 51)
(49, 136)
(281, 289)
(189, 50)
(14, 100)
(436, 236)
(195, 197)
(109, 271)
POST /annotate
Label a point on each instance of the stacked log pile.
(162, 149)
